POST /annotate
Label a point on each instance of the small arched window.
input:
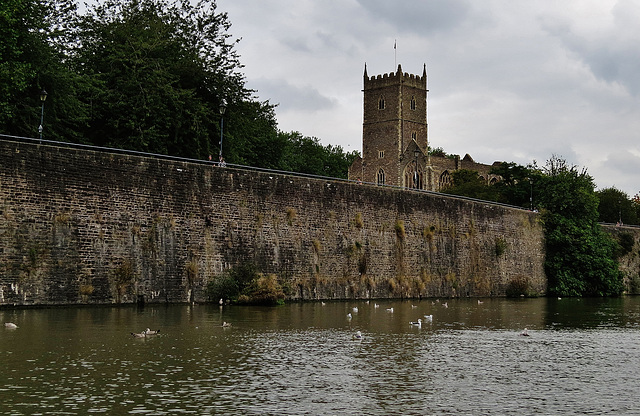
(413, 103)
(414, 135)
(445, 180)
(381, 177)
(381, 103)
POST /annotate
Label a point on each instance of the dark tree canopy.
(580, 257)
(469, 183)
(616, 206)
(145, 75)
(159, 72)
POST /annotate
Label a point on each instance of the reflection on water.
(581, 358)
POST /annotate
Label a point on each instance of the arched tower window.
(414, 135)
(381, 177)
(413, 103)
(413, 177)
(381, 103)
(445, 180)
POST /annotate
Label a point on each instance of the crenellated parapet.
(395, 78)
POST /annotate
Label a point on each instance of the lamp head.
(223, 106)
(43, 95)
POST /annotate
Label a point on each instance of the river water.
(582, 357)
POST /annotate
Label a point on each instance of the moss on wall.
(80, 226)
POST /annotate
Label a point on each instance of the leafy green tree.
(35, 44)
(251, 136)
(307, 155)
(160, 71)
(468, 183)
(516, 186)
(615, 205)
(635, 203)
(580, 257)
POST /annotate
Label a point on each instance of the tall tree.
(580, 258)
(468, 183)
(516, 185)
(160, 70)
(35, 38)
(307, 155)
(615, 206)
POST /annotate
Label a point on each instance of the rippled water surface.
(582, 357)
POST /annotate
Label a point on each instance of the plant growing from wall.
(291, 215)
(123, 277)
(62, 218)
(500, 246)
(85, 291)
(317, 246)
(191, 269)
(399, 227)
(259, 220)
(358, 221)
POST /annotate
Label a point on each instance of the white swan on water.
(358, 335)
(151, 332)
(418, 324)
(349, 316)
(524, 333)
(390, 310)
(10, 325)
(428, 318)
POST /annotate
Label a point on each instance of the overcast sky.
(508, 80)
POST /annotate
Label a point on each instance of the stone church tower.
(394, 131)
(395, 140)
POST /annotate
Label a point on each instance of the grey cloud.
(292, 97)
(312, 43)
(623, 162)
(612, 56)
(297, 44)
(423, 16)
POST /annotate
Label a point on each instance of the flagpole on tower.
(395, 54)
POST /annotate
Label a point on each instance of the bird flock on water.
(424, 320)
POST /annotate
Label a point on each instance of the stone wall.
(79, 226)
(629, 261)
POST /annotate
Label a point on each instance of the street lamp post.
(416, 153)
(531, 195)
(223, 108)
(43, 97)
(620, 211)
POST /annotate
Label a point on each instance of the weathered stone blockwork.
(78, 226)
(629, 261)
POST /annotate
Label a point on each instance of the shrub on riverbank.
(243, 284)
